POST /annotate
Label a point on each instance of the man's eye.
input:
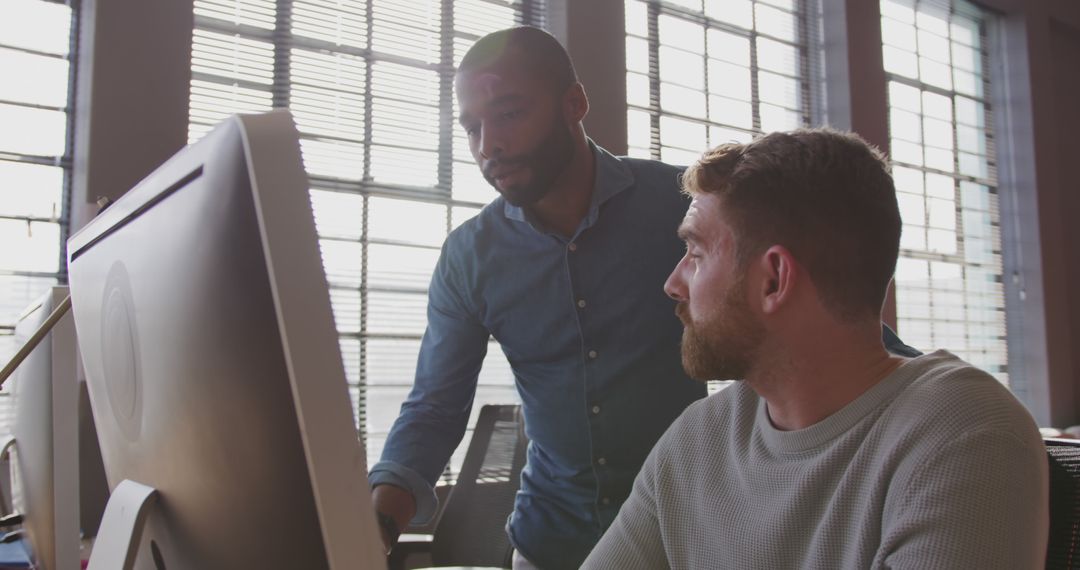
(510, 115)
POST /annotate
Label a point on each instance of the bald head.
(529, 49)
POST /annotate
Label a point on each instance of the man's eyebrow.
(500, 101)
(506, 99)
(686, 233)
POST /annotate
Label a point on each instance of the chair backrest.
(471, 530)
(1063, 546)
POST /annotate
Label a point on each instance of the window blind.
(370, 85)
(949, 287)
(36, 55)
(703, 73)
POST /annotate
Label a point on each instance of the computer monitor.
(214, 368)
(45, 437)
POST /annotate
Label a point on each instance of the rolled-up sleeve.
(435, 415)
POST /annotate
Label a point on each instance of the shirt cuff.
(391, 473)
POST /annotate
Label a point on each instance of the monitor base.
(122, 526)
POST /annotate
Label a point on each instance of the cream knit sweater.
(936, 466)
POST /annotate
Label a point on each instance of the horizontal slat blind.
(949, 278)
(36, 55)
(370, 85)
(703, 73)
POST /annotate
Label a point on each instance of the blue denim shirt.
(593, 342)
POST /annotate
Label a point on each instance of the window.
(949, 287)
(36, 39)
(702, 74)
(370, 85)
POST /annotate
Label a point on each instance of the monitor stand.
(122, 526)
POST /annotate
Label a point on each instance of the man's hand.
(396, 502)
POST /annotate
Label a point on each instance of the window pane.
(774, 118)
(682, 34)
(729, 80)
(682, 133)
(775, 22)
(470, 185)
(420, 223)
(779, 89)
(682, 100)
(638, 128)
(36, 25)
(400, 267)
(409, 29)
(255, 13)
(397, 313)
(338, 214)
(30, 190)
(682, 67)
(731, 112)
(32, 131)
(738, 12)
(42, 80)
(637, 55)
(778, 56)
(729, 47)
(30, 246)
(343, 262)
(637, 89)
(342, 22)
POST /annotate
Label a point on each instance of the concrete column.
(131, 95)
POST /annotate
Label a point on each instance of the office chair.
(471, 528)
(1063, 545)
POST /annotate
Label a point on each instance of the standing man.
(565, 270)
(832, 453)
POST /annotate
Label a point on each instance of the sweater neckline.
(832, 427)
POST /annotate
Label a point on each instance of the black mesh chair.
(1063, 546)
(470, 530)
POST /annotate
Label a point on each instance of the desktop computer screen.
(46, 438)
(213, 364)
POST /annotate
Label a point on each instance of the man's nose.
(675, 286)
(490, 145)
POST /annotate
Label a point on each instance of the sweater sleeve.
(980, 501)
(634, 539)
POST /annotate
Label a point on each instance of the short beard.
(725, 344)
(546, 163)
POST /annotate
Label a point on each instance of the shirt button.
(593, 354)
(601, 461)
(606, 500)
(581, 303)
(572, 246)
(595, 410)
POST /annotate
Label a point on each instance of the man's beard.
(545, 164)
(723, 345)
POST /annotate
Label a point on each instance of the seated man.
(831, 453)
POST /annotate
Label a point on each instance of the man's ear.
(780, 275)
(575, 103)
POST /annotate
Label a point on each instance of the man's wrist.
(390, 527)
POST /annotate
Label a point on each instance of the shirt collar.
(612, 176)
